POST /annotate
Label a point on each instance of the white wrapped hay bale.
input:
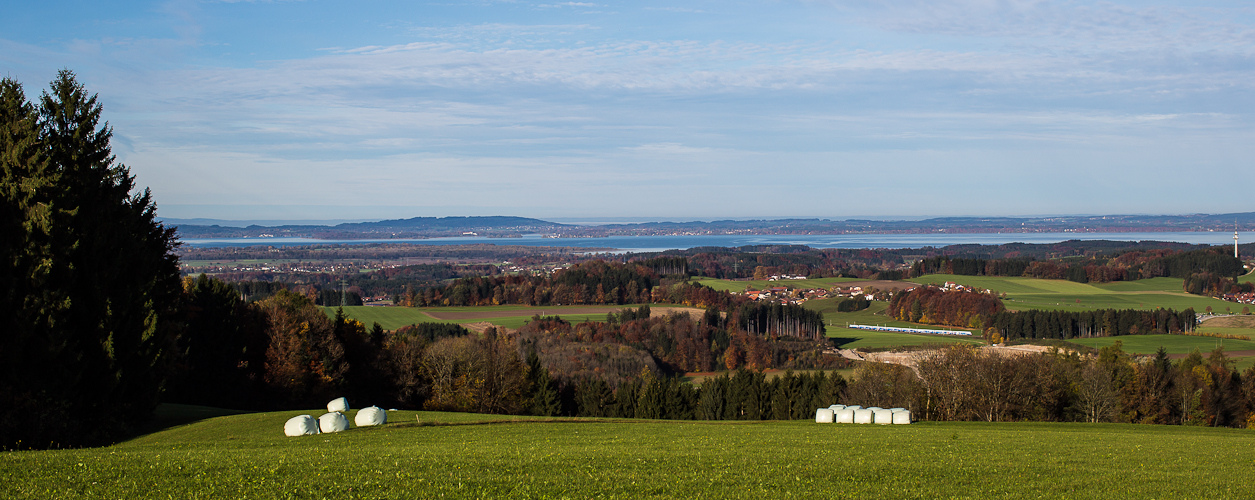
(882, 417)
(836, 407)
(333, 422)
(370, 415)
(902, 417)
(845, 416)
(300, 425)
(874, 408)
(854, 407)
(897, 409)
(340, 405)
(862, 416)
(823, 416)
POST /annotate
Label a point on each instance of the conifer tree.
(91, 285)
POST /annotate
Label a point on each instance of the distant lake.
(660, 243)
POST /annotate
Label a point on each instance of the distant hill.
(416, 227)
(505, 226)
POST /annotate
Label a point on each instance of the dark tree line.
(1100, 323)
(89, 288)
(773, 319)
(1125, 266)
(967, 309)
(962, 383)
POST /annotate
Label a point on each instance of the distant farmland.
(1033, 293)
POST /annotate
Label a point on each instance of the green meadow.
(851, 338)
(487, 456)
(1032, 293)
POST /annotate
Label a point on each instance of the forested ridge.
(984, 311)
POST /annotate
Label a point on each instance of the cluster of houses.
(790, 295)
(1241, 298)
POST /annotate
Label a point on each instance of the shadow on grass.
(839, 342)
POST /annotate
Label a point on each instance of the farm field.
(247, 456)
(1032, 293)
(1242, 352)
(850, 338)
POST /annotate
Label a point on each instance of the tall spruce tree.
(91, 285)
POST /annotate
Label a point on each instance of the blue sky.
(698, 109)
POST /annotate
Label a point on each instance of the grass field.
(247, 456)
(1176, 344)
(1032, 293)
(850, 338)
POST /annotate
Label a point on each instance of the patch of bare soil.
(693, 312)
(1016, 349)
(481, 326)
(1244, 321)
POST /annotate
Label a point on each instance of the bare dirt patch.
(481, 326)
(1245, 321)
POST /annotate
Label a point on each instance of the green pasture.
(739, 286)
(1248, 277)
(482, 456)
(1032, 293)
(1174, 344)
(851, 338)
(1177, 344)
(390, 318)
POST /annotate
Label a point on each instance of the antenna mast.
(1235, 240)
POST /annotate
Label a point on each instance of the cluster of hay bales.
(855, 414)
(334, 420)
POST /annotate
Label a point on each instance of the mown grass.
(1174, 344)
(1032, 293)
(851, 338)
(247, 456)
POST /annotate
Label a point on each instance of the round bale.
(902, 417)
(845, 416)
(300, 425)
(863, 416)
(823, 416)
(371, 415)
(883, 417)
(333, 422)
(338, 405)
